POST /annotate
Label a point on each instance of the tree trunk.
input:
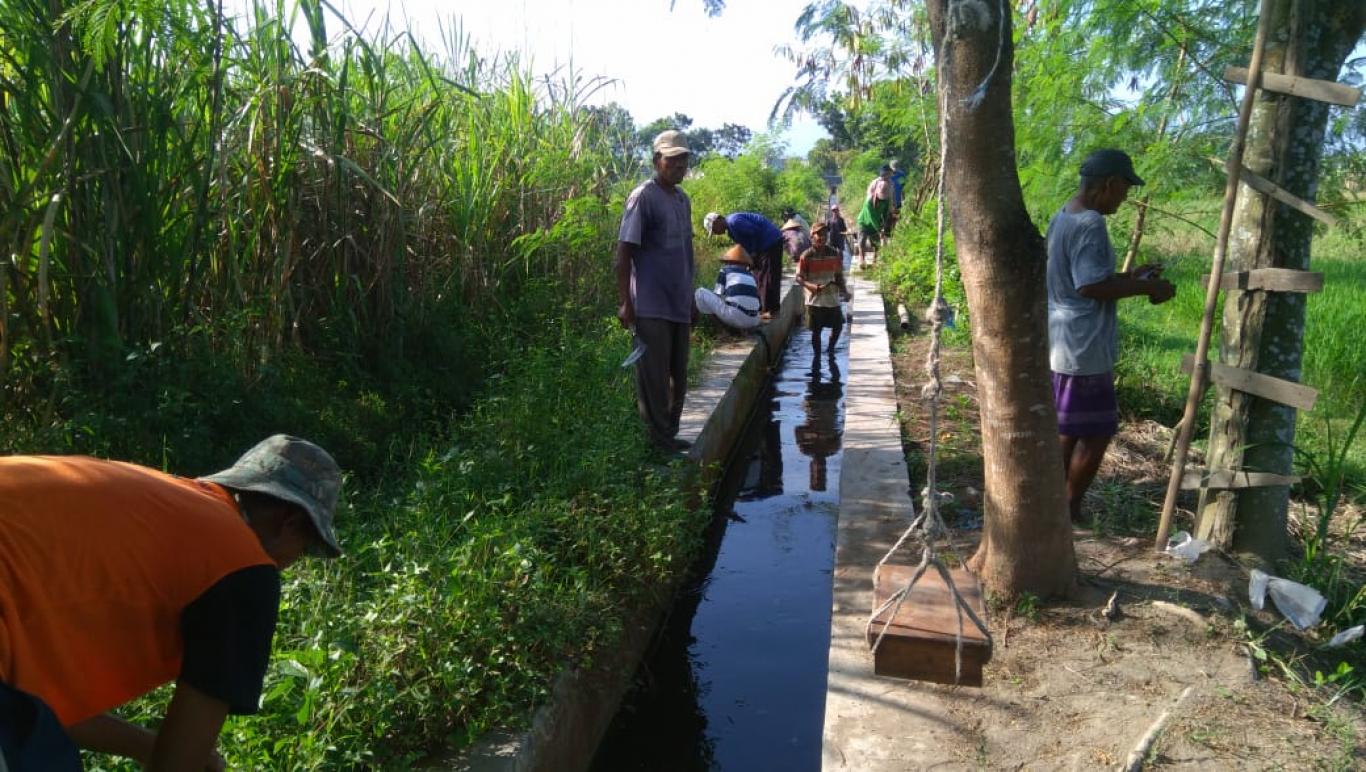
(1264, 331)
(1027, 539)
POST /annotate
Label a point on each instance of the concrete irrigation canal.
(760, 662)
(736, 679)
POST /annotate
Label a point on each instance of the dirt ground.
(1069, 689)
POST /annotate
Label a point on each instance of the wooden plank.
(1296, 395)
(1268, 188)
(921, 639)
(1224, 479)
(1270, 280)
(1293, 85)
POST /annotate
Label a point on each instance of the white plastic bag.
(1299, 603)
(1182, 545)
(1345, 637)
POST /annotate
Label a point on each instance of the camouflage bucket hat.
(292, 470)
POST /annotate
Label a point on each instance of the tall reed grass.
(166, 171)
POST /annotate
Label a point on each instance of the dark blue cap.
(1110, 163)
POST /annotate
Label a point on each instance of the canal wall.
(565, 732)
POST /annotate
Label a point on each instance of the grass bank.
(1154, 338)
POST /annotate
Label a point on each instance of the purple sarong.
(1086, 405)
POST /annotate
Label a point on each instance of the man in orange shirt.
(117, 578)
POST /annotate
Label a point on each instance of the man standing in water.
(654, 268)
(1082, 290)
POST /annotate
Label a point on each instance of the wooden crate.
(920, 641)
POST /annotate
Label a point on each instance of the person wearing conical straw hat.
(735, 299)
(118, 578)
(795, 239)
(764, 243)
(654, 270)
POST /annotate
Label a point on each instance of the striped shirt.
(822, 266)
(736, 284)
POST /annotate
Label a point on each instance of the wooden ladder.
(1201, 370)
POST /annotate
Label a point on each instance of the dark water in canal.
(736, 680)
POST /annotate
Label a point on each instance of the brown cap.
(819, 227)
(671, 143)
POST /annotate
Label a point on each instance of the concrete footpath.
(874, 723)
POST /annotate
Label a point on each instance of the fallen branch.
(1134, 762)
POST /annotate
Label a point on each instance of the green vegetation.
(219, 234)
(507, 552)
(1154, 338)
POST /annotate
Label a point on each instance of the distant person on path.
(875, 216)
(789, 213)
(654, 268)
(835, 227)
(795, 239)
(1082, 292)
(764, 243)
(898, 180)
(117, 578)
(735, 300)
(820, 272)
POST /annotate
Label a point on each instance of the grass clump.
(508, 551)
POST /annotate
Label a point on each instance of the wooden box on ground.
(920, 641)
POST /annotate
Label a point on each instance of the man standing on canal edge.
(117, 578)
(654, 268)
(1082, 290)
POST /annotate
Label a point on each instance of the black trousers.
(662, 375)
(768, 275)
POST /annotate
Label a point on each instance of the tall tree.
(1027, 538)
(1265, 331)
(731, 138)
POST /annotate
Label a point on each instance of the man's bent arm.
(1123, 285)
(189, 735)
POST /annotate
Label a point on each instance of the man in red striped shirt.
(820, 271)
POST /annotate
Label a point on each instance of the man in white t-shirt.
(1082, 289)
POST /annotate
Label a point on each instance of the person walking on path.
(735, 300)
(834, 223)
(654, 269)
(795, 239)
(1083, 288)
(764, 242)
(117, 578)
(820, 272)
(874, 218)
(898, 180)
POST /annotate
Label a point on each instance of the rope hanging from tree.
(929, 524)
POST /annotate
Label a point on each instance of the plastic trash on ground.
(1182, 545)
(1299, 603)
(1345, 637)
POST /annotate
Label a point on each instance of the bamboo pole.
(1201, 370)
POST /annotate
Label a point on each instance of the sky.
(714, 70)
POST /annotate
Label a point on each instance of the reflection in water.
(819, 436)
(736, 678)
